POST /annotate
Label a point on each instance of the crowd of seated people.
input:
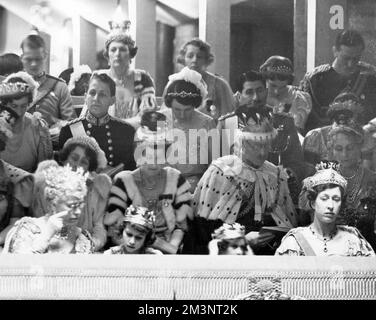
(272, 169)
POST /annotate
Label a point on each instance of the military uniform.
(287, 140)
(114, 136)
(53, 100)
(324, 84)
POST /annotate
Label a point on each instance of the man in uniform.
(114, 136)
(252, 94)
(53, 100)
(346, 74)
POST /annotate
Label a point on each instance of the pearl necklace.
(324, 239)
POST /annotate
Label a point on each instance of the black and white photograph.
(187, 155)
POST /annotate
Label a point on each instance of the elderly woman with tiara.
(184, 93)
(135, 90)
(57, 231)
(15, 184)
(153, 185)
(80, 152)
(324, 193)
(30, 142)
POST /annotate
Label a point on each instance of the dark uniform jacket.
(114, 136)
(53, 100)
(324, 84)
(287, 141)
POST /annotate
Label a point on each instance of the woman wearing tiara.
(138, 233)
(16, 185)
(80, 152)
(184, 93)
(57, 231)
(31, 142)
(324, 193)
(160, 189)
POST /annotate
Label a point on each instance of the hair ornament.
(191, 76)
(326, 173)
(229, 231)
(141, 216)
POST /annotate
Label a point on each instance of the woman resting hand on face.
(81, 152)
(57, 231)
(324, 193)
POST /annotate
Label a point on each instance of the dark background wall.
(260, 29)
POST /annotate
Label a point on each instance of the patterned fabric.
(300, 105)
(315, 145)
(348, 241)
(26, 237)
(174, 202)
(29, 147)
(91, 219)
(220, 192)
(132, 93)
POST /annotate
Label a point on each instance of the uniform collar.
(97, 121)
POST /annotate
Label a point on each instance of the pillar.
(214, 27)
(142, 14)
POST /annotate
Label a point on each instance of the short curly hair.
(202, 45)
(90, 153)
(123, 38)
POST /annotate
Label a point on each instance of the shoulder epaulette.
(55, 78)
(319, 69)
(119, 120)
(227, 115)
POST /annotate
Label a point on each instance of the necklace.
(323, 239)
(66, 233)
(352, 177)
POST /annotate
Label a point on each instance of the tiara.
(281, 69)
(63, 181)
(191, 76)
(141, 216)
(10, 90)
(351, 105)
(327, 172)
(28, 86)
(183, 94)
(229, 231)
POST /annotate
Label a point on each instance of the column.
(84, 42)
(214, 27)
(142, 14)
